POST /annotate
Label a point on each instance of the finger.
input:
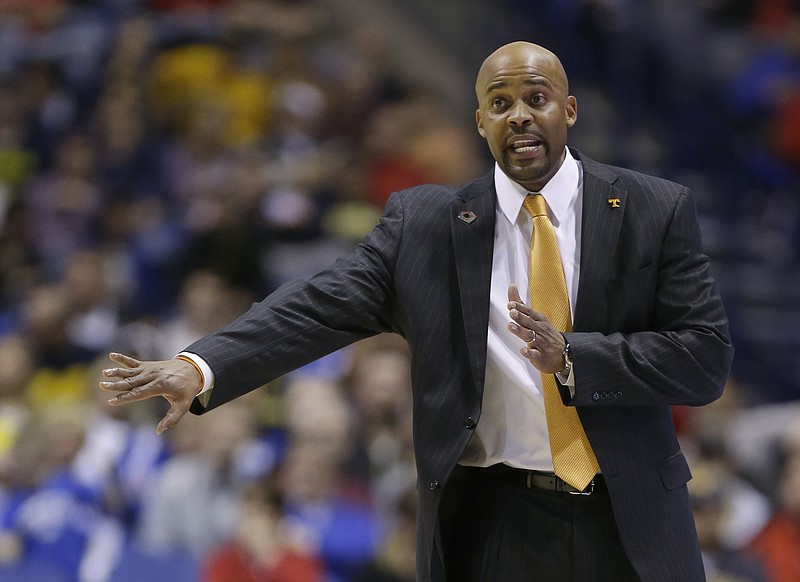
(130, 394)
(174, 414)
(523, 319)
(533, 355)
(120, 372)
(525, 334)
(126, 361)
(513, 294)
(124, 385)
(128, 379)
(515, 302)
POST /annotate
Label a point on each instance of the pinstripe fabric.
(573, 459)
(649, 331)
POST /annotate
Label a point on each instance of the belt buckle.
(588, 491)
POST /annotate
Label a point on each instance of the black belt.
(537, 479)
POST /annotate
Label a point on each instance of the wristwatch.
(567, 353)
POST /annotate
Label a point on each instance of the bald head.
(516, 54)
(524, 112)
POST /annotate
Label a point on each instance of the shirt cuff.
(208, 377)
(569, 381)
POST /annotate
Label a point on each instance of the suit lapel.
(472, 215)
(604, 204)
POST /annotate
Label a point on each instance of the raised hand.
(544, 344)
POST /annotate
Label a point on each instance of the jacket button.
(433, 485)
(596, 396)
(469, 424)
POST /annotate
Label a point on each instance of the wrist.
(566, 354)
(197, 368)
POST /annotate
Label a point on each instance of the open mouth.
(526, 146)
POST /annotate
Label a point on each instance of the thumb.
(513, 294)
(176, 411)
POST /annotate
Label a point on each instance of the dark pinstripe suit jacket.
(649, 331)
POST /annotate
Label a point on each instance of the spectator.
(16, 371)
(194, 503)
(778, 544)
(711, 501)
(343, 533)
(379, 384)
(259, 552)
(94, 309)
(49, 516)
(61, 365)
(396, 558)
(119, 457)
(64, 206)
(206, 301)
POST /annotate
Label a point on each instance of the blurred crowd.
(164, 163)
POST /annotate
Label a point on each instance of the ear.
(572, 110)
(479, 123)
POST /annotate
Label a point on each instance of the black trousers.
(496, 529)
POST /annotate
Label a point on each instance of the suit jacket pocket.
(630, 299)
(674, 471)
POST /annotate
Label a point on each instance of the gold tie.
(573, 458)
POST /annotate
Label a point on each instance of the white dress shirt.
(512, 427)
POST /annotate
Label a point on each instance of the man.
(446, 268)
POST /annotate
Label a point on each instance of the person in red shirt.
(778, 544)
(258, 552)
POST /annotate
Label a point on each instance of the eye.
(497, 103)
(538, 99)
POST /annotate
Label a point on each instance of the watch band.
(567, 353)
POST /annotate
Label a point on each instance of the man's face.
(524, 111)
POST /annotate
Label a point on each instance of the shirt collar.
(558, 192)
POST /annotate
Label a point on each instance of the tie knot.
(535, 205)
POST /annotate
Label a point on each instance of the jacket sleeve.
(305, 320)
(683, 354)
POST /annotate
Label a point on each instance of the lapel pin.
(467, 216)
(614, 202)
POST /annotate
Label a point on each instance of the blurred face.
(16, 367)
(308, 475)
(85, 280)
(382, 384)
(45, 314)
(524, 111)
(76, 156)
(707, 520)
(227, 429)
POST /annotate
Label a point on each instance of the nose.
(520, 114)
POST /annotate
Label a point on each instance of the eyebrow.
(499, 84)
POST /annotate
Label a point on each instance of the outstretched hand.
(544, 344)
(176, 380)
